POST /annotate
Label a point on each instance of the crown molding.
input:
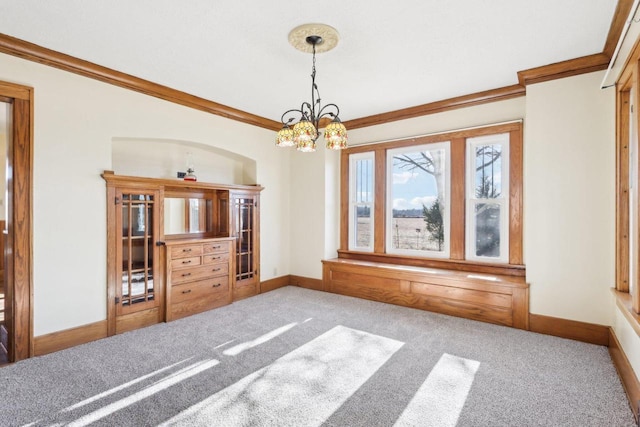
(571, 67)
(32, 52)
(478, 98)
(617, 24)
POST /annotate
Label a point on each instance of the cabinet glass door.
(245, 234)
(137, 253)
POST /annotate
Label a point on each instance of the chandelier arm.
(335, 115)
(293, 110)
(308, 113)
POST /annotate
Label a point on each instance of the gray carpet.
(299, 357)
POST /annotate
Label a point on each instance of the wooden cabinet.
(199, 276)
(211, 255)
(245, 207)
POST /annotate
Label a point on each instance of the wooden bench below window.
(490, 298)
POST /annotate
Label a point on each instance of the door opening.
(16, 332)
(5, 304)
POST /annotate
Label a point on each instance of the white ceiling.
(391, 55)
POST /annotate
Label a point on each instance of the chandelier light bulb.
(285, 137)
(335, 135)
(305, 135)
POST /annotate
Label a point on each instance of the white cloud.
(415, 203)
(403, 177)
(401, 204)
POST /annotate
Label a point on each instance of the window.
(487, 198)
(361, 197)
(418, 200)
(628, 191)
(450, 200)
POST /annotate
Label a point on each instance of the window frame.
(627, 184)
(443, 145)
(353, 203)
(458, 158)
(501, 139)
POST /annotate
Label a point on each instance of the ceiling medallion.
(298, 37)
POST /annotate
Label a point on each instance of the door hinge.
(117, 200)
(117, 300)
(255, 204)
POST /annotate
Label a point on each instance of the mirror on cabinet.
(194, 214)
(186, 215)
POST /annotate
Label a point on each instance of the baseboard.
(60, 340)
(275, 283)
(563, 328)
(625, 372)
(306, 282)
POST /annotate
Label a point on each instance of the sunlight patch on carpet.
(122, 387)
(304, 387)
(441, 397)
(237, 349)
(163, 384)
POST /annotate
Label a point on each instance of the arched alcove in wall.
(163, 158)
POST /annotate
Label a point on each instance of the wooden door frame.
(19, 244)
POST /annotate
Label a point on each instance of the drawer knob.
(216, 257)
(218, 285)
(187, 291)
(216, 247)
(216, 269)
(186, 262)
(186, 274)
(186, 250)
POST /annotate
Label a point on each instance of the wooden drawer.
(197, 273)
(215, 247)
(215, 258)
(199, 289)
(186, 262)
(186, 251)
(193, 306)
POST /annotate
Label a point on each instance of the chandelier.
(304, 133)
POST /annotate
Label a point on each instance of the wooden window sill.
(517, 270)
(623, 301)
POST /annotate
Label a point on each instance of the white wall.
(569, 198)
(162, 158)
(308, 214)
(75, 121)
